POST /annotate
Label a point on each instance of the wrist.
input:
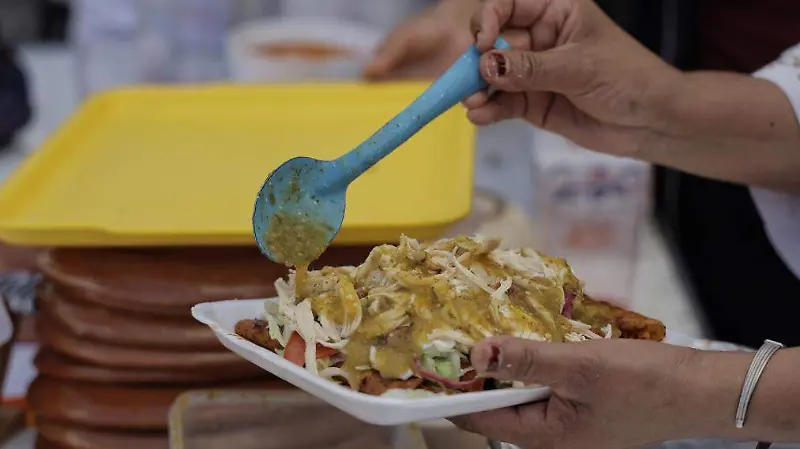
(661, 128)
(712, 393)
(772, 413)
(664, 101)
(707, 123)
(694, 104)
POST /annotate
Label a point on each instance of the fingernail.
(502, 65)
(498, 65)
(494, 360)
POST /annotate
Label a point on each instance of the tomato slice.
(323, 352)
(295, 350)
(468, 382)
(472, 381)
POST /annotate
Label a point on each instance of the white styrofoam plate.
(222, 316)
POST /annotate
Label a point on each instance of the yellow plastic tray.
(182, 166)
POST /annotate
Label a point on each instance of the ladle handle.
(460, 81)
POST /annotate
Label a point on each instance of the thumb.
(557, 70)
(555, 365)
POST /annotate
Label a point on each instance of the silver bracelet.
(762, 357)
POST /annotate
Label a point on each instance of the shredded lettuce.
(445, 365)
(445, 368)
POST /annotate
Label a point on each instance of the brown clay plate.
(65, 435)
(116, 356)
(168, 281)
(50, 363)
(113, 407)
(114, 326)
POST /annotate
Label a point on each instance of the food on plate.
(310, 50)
(407, 317)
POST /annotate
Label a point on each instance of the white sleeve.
(781, 211)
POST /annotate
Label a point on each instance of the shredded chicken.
(458, 291)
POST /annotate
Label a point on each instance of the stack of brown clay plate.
(118, 343)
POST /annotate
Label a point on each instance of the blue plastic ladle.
(301, 205)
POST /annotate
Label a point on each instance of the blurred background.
(70, 50)
(664, 243)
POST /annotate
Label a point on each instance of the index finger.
(509, 425)
(494, 15)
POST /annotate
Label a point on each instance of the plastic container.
(182, 166)
(103, 34)
(183, 40)
(254, 9)
(591, 208)
(300, 49)
(154, 42)
(200, 33)
(275, 420)
(280, 419)
(329, 9)
(503, 162)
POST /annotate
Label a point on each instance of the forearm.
(727, 126)
(774, 412)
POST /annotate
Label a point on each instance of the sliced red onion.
(568, 304)
(449, 383)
